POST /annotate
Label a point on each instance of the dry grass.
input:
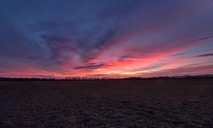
(124, 103)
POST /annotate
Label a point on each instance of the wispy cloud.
(205, 55)
(90, 66)
(72, 37)
(204, 38)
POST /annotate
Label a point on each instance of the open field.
(122, 103)
(6, 86)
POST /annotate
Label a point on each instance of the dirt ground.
(122, 103)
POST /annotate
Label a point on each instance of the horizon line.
(106, 78)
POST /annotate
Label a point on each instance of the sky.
(105, 38)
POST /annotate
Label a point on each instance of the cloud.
(193, 70)
(125, 36)
(204, 38)
(205, 55)
(98, 75)
(90, 66)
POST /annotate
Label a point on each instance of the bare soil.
(123, 103)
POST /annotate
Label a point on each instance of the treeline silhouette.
(207, 76)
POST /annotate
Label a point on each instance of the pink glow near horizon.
(114, 39)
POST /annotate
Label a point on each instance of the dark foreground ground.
(123, 103)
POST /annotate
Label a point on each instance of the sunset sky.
(105, 38)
